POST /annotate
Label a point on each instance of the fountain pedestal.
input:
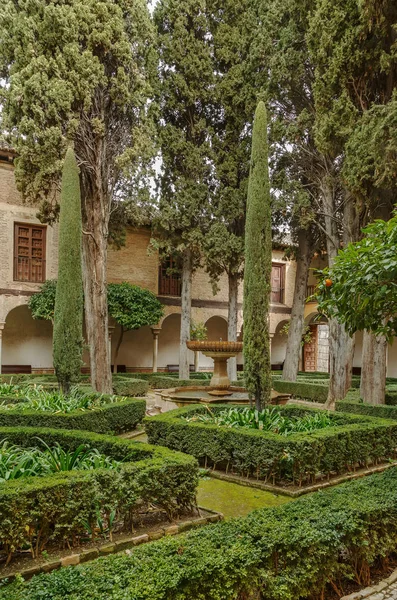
(220, 352)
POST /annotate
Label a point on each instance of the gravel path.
(385, 590)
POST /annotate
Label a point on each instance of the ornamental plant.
(258, 266)
(68, 313)
(361, 288)
(132, 307)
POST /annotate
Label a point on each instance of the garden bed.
(63, 508)
(37, 407)
(298, 459)
(304, 549)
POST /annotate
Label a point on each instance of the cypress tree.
(258, 266)
(68, 316)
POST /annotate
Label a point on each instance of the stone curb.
(124, 545)
(374, 589)
(277, 489)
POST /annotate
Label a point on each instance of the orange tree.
(363, 290)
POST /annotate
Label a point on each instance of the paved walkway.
(385, 590)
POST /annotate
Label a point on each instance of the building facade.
(29, 256)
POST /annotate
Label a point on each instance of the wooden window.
(29, 252)
(170, 277)
(278, 279)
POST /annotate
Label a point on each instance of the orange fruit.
(328, 282)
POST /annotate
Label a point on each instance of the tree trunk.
(232, 323)
(373, 368)
(341, 344)
(374, 352)
(186, 303)
(296, 326)
(96, 220)
(116, 352)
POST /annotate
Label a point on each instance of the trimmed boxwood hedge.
(313, 389)
(316, 392)
(162, 380)
(123, 386)
(283, 553)
(114, 417)
(36, 510)
(297, 458)
(354, 406)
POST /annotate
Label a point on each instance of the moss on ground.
(235, 500)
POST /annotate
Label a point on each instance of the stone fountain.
(220, 352)
(220, 388)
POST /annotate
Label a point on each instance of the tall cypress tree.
(184, 93)
(68, 317)
(258, 267)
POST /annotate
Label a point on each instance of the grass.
(269, 419)
(234, 500)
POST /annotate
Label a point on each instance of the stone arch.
(26, 341)
(216, 328)
(168, 352)
(279, 345)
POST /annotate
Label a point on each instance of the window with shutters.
(29, 252)
(278, 279)
(170, 283)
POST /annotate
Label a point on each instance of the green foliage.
(130, 387)
(106, 414)
(37, 398)
(17, 462)
(298, 458)
(132, 306)
(258, 266)
(308, 390)
(354, 405)
(68, 313)
(331, 536)
(234, 95)
(354, 93)
(68, 45)
(42, 303)
(34, 511)
(269, 419)
(364, 277)
(198, 331)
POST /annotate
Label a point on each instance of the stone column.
(271, 336)
(2, 323)
(111, 328)
(155, 332)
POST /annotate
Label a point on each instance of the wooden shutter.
(169, 283)
(277, 283)
(29, 252)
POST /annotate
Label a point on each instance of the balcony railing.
(310, 290)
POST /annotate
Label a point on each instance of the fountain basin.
(183, 396)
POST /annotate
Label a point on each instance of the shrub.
(353, 405)
(123, 386)
(36, 510)
(298, 458)
(286, 553)
(316, 392)
(112, 417)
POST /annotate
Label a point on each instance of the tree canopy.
(361, 288)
